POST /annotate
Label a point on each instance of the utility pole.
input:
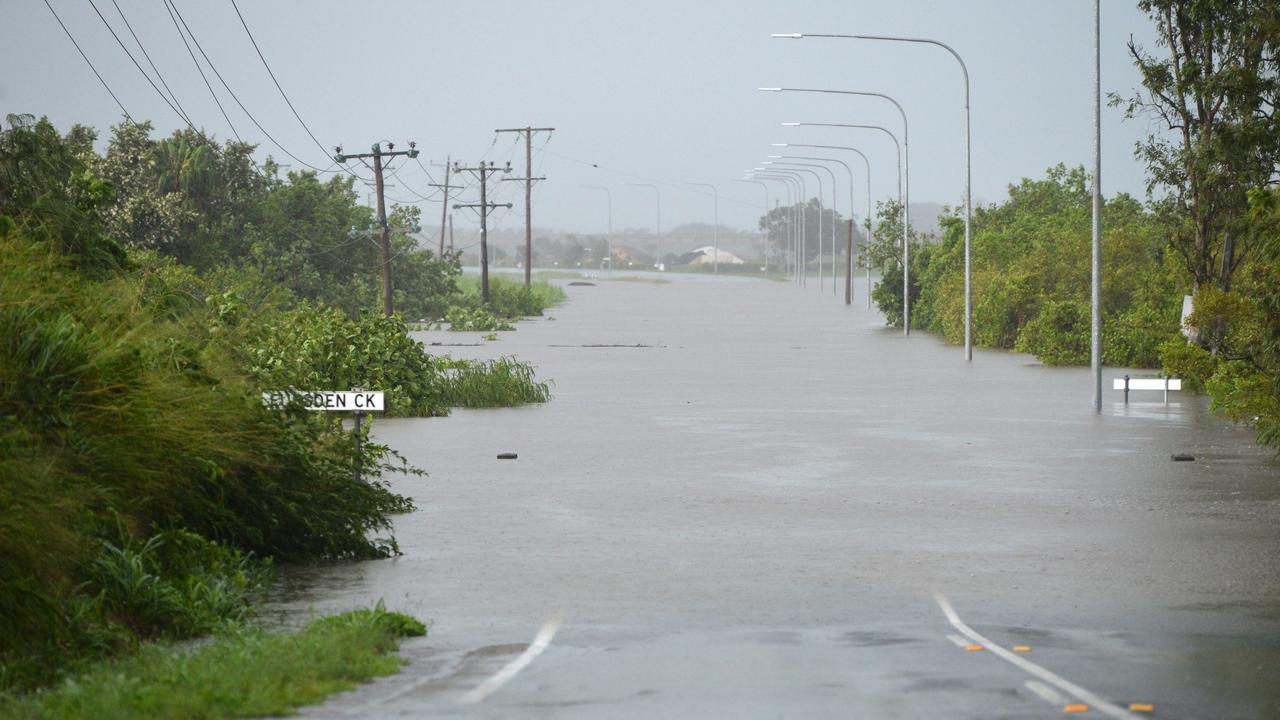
(482, 172)
(444, 206)
(384, 244)
(450, 232)
(528, 181)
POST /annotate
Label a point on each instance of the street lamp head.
(774, 157)
(790, 124)
(789, 36)
(778, 144)
(767, 162)
(777, 89)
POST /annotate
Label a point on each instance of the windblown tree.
(1213, 84)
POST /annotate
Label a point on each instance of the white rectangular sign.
(1147, 384)
(328, 400)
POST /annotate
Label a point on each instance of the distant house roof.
(708, 255)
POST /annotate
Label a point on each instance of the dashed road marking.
(1026, 665)
(1046, 693)
(511, 669)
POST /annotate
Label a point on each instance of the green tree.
(49, 192)
(1214, 88)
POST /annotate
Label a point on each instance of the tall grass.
(124, 418)
(244, 672)
(502, 382)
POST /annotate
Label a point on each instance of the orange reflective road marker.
(1142, 707)
(1076, 708)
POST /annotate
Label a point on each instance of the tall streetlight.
(657, 197)
(715, 263)
(801, 221)
(788, 183)
(609, 237)
(804, 204)
(968, 154)
(821, 210)
(897, 155)
(1095, 269)
(833, 200)
(848, 296)
(766, 218)
(906, 216)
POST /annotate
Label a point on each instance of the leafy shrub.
(461, 319)
(1058, 334)
(507, 298)
(323, 349)
(117, 411)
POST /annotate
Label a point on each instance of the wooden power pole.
(528, 181)
(482, 172)
(444, 206)
(384, 231)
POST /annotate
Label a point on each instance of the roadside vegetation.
(242, 672)
(1209, 228)
(148, 296)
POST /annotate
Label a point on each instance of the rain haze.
(302, 416)
(661, 92)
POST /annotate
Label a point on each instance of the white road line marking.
(490, 686)
(1046, 693)
(1057, 681)
(959, 641)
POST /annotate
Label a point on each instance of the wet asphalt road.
(744, 498)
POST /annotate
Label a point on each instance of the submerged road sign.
(327, 400)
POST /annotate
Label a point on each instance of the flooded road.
(748, 500)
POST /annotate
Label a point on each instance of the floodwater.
(745, 496)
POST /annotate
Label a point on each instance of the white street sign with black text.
(327, 400)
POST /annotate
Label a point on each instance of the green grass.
(503, 382)
(509, 298)
(243, 672)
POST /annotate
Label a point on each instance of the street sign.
(1146, 384)
(327, 400)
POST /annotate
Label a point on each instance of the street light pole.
(608, 237)
(715, 230)
(788, 183)
(657, 196)
(1095, 270)
(897, 156)
(821, 210)
(766, 219)
(833, 201)
(801, 221)
(848, 295)
(968, 173)
(906, 215)
(804, 203)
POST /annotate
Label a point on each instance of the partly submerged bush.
(501, 382)
(462, 319)
(120, 410)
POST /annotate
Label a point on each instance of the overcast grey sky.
(661, 90)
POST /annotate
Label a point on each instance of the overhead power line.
(232, 93)
(245, 25)
(139, 66)
(203, 77)
(88, 61)
(185, 115)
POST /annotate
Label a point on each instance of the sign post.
(357, 400)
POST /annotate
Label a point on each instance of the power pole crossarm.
(528, 181)
(384, 245)
(482, 173)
